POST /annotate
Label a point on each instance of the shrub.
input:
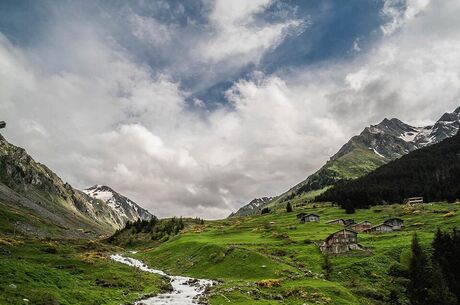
(269, 283)
(265, 211)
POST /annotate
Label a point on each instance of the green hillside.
(263, 259)
(68, 272)
(267, 258)
(353, 164)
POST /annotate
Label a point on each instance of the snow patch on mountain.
(125, 208)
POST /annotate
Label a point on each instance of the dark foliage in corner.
(431, 279)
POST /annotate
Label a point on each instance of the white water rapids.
(185, 291)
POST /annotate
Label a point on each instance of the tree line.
(155, 227)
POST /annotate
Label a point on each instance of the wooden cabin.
(361, 226)
(413, 200)
(336, 222)
(340, 242)
(309, 218)
(300, 215)
(395, 223)
(381, 228)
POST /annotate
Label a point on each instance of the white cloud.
(97, 115)
(400, 12)
(149, 30)
(235, 32)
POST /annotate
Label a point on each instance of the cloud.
(237, 33)
(83, 103)
(399, 12)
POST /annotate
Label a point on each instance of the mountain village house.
(300, 215)
(309, 218)
(381, 228)
(348, 222)
(413, 200)
(340, 242)
(361, 226)
(340, 221)
(336, 222)
(395, 223)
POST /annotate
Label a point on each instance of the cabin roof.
(311, 214)
(390, 219)
(333, 220)
(361, 222)
(379, 225)
(333, 234)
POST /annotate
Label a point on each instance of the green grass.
(240, 252)
(58, 272)
(358, 162)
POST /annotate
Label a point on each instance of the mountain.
(375, 146)
(432, 172)
(126, 209)
(252, 207)
(35, 201)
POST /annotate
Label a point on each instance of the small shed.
(339, 221)
(348, 222)
(380, 228)
(395, 223)
(413, 200)
(361, 226)
(309, 218)
(340, 242)
(301, 215)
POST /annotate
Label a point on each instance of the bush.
(288, 207)
(265, 211)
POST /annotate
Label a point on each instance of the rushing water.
(185, 291)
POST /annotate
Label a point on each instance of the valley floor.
(265, 259)
(273, 259)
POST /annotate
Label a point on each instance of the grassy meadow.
(68, 272)
(264, 259)
(273, 259)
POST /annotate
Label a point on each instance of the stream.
(186, 290)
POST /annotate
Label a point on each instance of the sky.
(193, 108)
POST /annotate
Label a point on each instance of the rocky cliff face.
(374, 146)
(26, 185)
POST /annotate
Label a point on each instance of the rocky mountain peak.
(374, 146)
(127, 209)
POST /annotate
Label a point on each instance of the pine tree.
(439, 293)
(327, 267)
(288, 207)
(348, 206)
(419, 275)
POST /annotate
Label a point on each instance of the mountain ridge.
(375, 146)
(53, 207)
(431, 172)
